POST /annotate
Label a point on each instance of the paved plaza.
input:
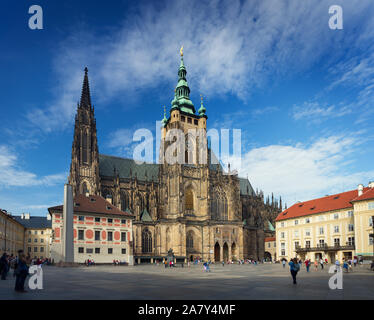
(268, 281)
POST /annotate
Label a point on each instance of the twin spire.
(85, 96)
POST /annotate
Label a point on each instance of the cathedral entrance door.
(217, 250)
(225, 252)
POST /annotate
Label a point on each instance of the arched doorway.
(225, 252)
(217, 252)
(267, 256)
(233, 252)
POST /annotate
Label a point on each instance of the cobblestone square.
(237, 282)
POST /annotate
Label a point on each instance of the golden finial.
(201, 97)
(181, 51)
(164, 109)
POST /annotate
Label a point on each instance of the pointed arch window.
(146, 241)
(189, 205)
(85, 147)
(189, 240)
(124, 201)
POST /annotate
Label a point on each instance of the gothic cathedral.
(196, 210)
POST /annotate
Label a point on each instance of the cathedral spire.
(85, 96)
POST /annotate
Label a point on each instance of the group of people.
(20, 264)
(89, 262)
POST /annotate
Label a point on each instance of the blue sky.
(301, 93)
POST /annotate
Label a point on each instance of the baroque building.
(195, 208)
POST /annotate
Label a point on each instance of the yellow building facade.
(11, 233)
(333, 227)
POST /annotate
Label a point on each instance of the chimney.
(22, 215)
(27, 216)
(48, 217)
(371, 184)
(360, 189)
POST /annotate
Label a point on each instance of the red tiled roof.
(369, 194)
(328, 203)
(268, 239)
(93, 204)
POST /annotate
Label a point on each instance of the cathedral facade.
(195, 210)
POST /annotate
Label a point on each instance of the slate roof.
(324, 204)
(93, 204)
(34, 222)
(148, 171)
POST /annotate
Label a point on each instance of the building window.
(89, 250)
(307, 232)
(110, 220)
(321, 243)
(351, 227)
(35, 232)
(282, 235)
(123, 250)
(97, 219)
(146, 241)
(282, 224)
(41, 249)
(189, 199)
(123, 236)
(189, 240)
(189, 120)
(370, 221)
(370, 241)
(183, 118)
(307, 220)
(337, 242)
(196, 122)
(29, 240)
(29, 249)
(29, 232)
(336, 216)
(35, 240)
(371, 205)
(110, 236)
(350, 213)
(81, 218)
(41, 240)
(80, 250)
(97, 250)
(307, 244)
(42, 232)
(80, 234)
(97, 235)
(283, 252)
(296, 222)
(296, 244)
(123, 221)
(321, 230)
(110, 250)
(336, 229)
(35, 249)
(351, 241)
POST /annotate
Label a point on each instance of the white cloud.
(230, 47)
(12, 175)
(302, 172)
(316, 112)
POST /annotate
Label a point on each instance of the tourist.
(337, 265)
(315, 265)
(4, 266)
(355, 262)
(345, 265)
(294, 269)
(307, 264)
(21, 272)
(284, 263)
(223, 263)
(321, 263)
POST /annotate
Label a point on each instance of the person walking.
(337, 265)
(4, 266)
(321, 263)
(294, 269)
(307, 264)
(284, 263)
(315, 265)
(21, 273)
